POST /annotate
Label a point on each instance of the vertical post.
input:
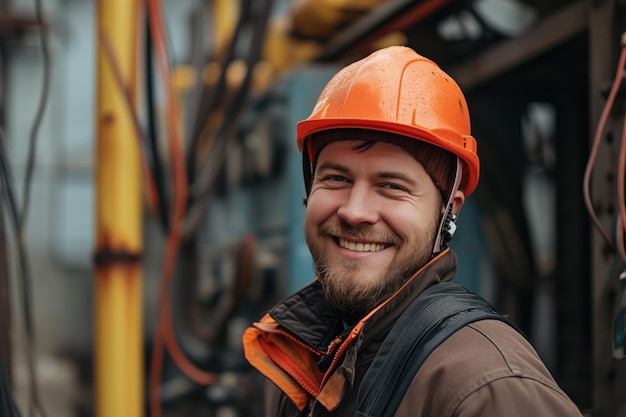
(118, 284)
(606, 23)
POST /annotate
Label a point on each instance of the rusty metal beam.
(507, 55)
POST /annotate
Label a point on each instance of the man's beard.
(358, 298)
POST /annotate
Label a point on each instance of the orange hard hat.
(399, 91)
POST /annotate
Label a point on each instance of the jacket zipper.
(295, 372)
(340, 351)
(289, 366)
(296, 341)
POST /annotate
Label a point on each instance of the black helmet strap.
(447, 227)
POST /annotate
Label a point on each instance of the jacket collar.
(308, 315)
(289, 342)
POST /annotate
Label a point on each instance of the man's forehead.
(439, 163)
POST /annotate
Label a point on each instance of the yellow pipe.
(118, 285)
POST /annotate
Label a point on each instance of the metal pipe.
(388, 17)
(118, 273)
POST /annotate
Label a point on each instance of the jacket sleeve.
(516, 397)
(485, 369)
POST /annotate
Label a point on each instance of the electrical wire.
(24, 278)
(152, 133)
(30, 164)
(209, 103)
(204, 186)
(164, 336)
(7, 403)
(596, 144)
(621, 173)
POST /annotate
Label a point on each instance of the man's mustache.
(359, 232)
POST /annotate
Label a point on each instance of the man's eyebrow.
(395, 175)
(332, 165)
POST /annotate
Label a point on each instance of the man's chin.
(352, 297)
(350, 307)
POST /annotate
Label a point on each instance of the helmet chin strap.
(306, 171)
(447, 227)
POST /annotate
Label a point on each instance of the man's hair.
(439, 163)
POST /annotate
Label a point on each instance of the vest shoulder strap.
(431, 318)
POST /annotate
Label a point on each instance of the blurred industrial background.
(152, 192)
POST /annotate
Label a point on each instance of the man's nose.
(359, 206)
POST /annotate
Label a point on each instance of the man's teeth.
(361, 247)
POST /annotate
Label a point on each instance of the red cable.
(621, 171)
(164, 335)
(594, 149)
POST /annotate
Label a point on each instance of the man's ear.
(457, 201)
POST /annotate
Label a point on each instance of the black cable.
(23, 280)
(23, 273)
(7, 403)
(211, 101)
(32, 150)
(21, 220)
(204, 187)
(154, 160)
(7, 183)
(258, 37)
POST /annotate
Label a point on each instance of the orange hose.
(164, 335)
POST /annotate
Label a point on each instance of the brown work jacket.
(315, 363)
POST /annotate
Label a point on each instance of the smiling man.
(372, 215)
(388, 162)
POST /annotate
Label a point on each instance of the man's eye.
(394, 187)
(337, 178)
